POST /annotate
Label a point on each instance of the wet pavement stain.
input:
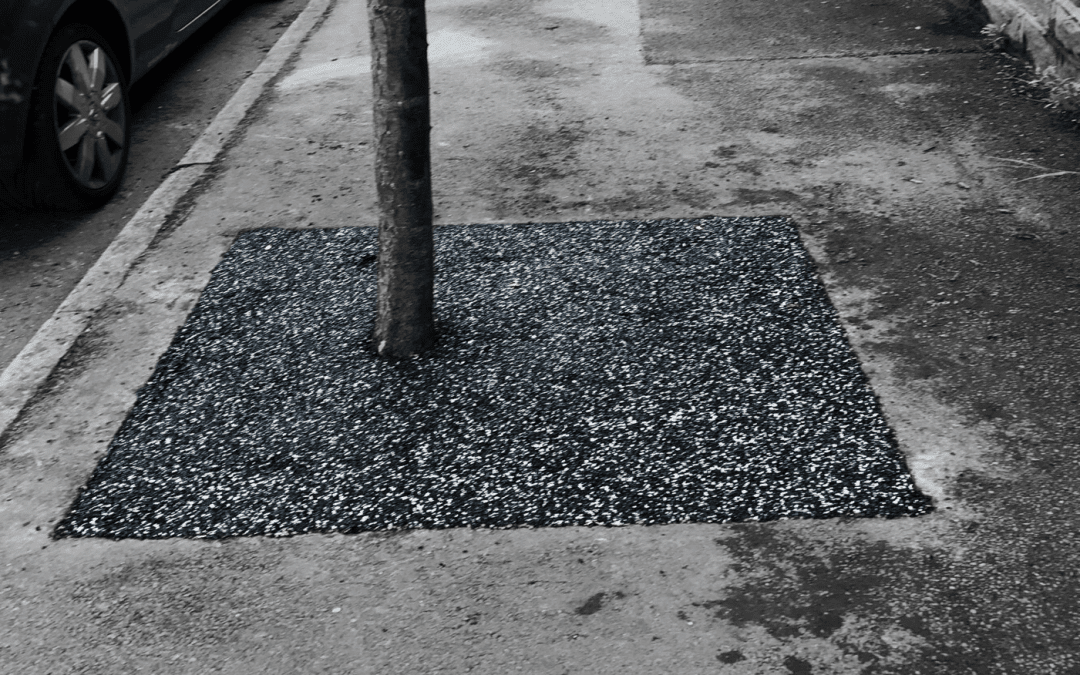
(732, 656)
(748, 196)
(797, 666)
(836, 602)
(596, 602)
(592, 605)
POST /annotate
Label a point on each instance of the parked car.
(65, 71)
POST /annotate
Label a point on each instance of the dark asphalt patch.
(604, 373)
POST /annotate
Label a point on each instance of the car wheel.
(80, 129)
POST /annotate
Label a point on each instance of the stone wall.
(1048, 30)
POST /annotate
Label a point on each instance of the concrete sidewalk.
(873, 126)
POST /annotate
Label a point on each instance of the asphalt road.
(43, 256)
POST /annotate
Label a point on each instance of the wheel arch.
(103, 16)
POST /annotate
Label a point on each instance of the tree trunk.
(404, 317)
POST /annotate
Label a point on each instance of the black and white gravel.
(601, 373)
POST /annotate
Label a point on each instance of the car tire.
(80, 125)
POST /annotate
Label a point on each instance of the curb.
(29, 370)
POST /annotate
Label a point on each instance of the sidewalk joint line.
(810, 57)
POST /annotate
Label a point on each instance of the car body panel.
(190, 11)
(150, 32)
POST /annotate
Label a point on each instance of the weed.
(1048, 172)
(995, 33)
(1063, 93)
(1045, 85)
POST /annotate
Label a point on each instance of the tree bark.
(404, 317)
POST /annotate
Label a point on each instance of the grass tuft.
(1048, 172)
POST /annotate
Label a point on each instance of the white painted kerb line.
(32, 366)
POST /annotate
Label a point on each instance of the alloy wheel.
(89, 115)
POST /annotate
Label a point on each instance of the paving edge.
(25, 375)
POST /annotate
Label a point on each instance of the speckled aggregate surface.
(601, 373)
